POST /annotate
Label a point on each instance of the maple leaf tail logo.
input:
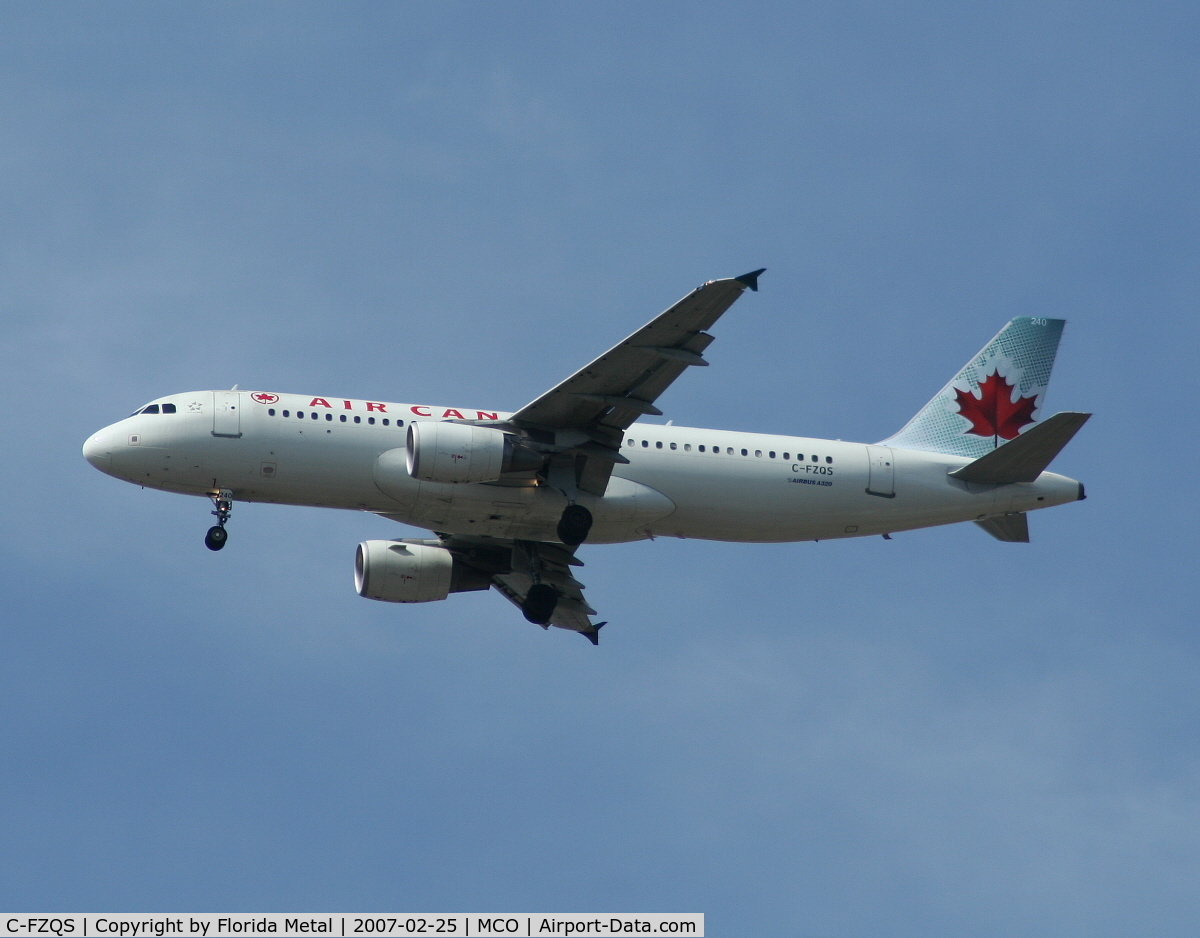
(994, 413)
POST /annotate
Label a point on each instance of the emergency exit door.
(882, 478)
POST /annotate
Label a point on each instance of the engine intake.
(459, 452)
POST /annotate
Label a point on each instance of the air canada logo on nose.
(263, 398)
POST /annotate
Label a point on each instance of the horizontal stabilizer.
(1024, 458)
(1012, 527)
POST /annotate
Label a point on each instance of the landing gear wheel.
(574, 525)
(222, 500)
(539, 603)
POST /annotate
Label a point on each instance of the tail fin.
(993, 398)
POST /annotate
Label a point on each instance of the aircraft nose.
(98, 451)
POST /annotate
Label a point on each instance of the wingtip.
(751, 279)
(594, 635)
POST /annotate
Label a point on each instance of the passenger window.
(771, 454)
(170, 409)
(744, 453)
(758, 452)
(315, 415)
(673, 446)
(700, 447)
(687, 447)
(385, 421)
(342, 418)
(287, 413)
(329, 416)
(658, 445)
(370, 420)
(300, 414)
(815, 459)
(399, 423)
(358, 419)
(152, 409)
(729, 450)
(829, 459)
(271, 412)
(631, 443)
(645, 445)
(786, 456)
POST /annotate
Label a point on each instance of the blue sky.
(461, 204)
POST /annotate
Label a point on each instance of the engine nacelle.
(423, 571)
(394, 572)
(459, 452)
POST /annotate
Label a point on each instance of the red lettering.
(484, 415)
(318, 402)
(452, 413)
(421, 411)
(371, 405)
(346, 405)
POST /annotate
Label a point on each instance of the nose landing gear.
(216, 537)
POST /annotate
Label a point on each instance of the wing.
(512, 567)
(600, 400)
(549, 563)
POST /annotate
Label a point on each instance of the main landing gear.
(574, 525)
(217, 535)
(539, 603)
(539, 606)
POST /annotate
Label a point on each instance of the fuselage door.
(227, 413)
(882, 478)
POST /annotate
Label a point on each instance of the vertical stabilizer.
(995, 396)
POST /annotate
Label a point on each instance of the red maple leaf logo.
(994, 414)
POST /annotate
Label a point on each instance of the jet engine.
(413, 572)
(459, 452)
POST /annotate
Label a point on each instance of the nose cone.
(98, 451)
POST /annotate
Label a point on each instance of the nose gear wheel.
(222, 500)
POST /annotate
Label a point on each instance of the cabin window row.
(313, 415)
(729, 450)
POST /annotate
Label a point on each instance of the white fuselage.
(679, 482)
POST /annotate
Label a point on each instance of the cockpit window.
(168, 408)
(152, 409)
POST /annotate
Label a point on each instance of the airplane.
(510, 497)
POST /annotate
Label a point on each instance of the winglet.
(594, 635)
(750, 279)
